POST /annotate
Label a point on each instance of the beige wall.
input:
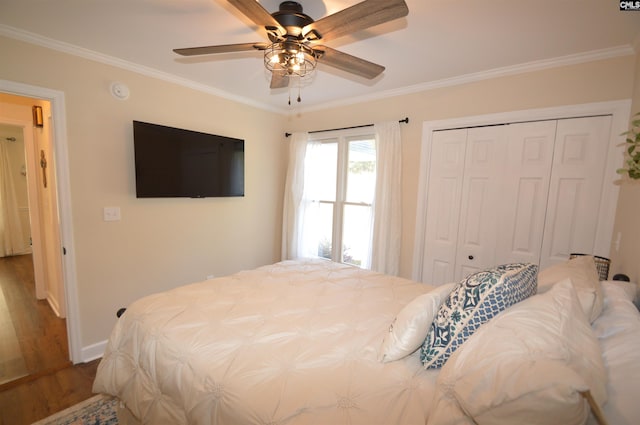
(162, 243)
(159, 243)
(627, 258)
(600, 81)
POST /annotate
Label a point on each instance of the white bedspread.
(618, 330)
(290, 343)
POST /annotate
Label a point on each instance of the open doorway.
(33, 301)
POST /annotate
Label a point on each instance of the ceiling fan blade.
(349, 63)
(223, 48)
(279, 80)
(259, 15)
(357, 17)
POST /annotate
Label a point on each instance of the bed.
(317, 342)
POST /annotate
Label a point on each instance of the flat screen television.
(176, 163)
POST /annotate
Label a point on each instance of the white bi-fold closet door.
(526, 192)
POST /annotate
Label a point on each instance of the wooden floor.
(36, 377)
(37, 397)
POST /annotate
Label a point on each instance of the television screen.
(172, 162)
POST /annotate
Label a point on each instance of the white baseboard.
(53, 303)
(92, 352)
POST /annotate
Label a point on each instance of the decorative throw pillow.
(410, 326)
(472, 302)
(530, 365)
(583, 273)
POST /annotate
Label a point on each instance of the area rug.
(98, 410)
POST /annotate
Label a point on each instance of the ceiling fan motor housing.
(290, 16)
(290, 6)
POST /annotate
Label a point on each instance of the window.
(341, 173)
(330, 209)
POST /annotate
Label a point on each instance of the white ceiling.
(440, 42)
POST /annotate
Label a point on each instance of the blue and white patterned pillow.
(475, 301)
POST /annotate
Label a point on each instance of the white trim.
(52, 300)
(71, 49)
(573, 59)
(93, 351)
(620, 112)
(58, 113)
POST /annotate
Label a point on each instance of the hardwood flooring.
(36, 377)
(36, 397)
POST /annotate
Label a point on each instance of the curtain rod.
(405, 120)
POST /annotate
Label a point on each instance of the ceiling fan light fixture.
(292, 33)
(290, 58)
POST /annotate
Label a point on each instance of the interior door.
(525, 189)
(481, 199)
(577, 177)
(446, 172)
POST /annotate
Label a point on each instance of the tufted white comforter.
(290, 343)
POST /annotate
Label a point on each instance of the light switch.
(111, 213)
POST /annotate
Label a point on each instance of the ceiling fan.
(293, 48)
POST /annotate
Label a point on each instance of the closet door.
(482, 199)
(463, 202)
(525, 188)
(576, 188)
(522, 192)
(446, 172)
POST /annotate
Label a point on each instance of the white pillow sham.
(527, 365)
(409, 328)
(583, 273)
(620, 289)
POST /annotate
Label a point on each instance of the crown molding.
(71, 49)
(574, 59)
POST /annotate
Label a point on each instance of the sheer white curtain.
(10, 225)
(299, 238)
(387, 213)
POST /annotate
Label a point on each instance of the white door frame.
(620, 112)
(57, 100)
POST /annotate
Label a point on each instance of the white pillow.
(409, 328)
(619, 289)
(526, 366)
(583, 273)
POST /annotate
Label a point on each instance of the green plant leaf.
(632, 156)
